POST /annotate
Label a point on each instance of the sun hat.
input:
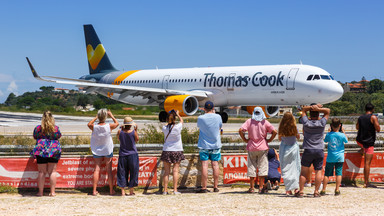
(128, 121)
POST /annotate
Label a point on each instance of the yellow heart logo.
(95, 55)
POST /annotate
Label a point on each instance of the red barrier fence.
(71, 172)
(235, 168)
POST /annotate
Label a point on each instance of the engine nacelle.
(186, 104)
(269, 111)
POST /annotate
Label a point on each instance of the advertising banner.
(235, 168)
(71, 172)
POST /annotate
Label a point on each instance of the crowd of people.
(263, 162)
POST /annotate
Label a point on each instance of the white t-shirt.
(101, 140)
(173, 142)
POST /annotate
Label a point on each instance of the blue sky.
(346, 38)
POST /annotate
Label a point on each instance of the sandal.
(52, 194)
(299, 194)
(337, 192)
(316, 195)
(95, 194)
(251, 190)
(322, 193)
(288, 193)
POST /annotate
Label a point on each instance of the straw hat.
(128, 121)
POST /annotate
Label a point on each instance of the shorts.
(368, 150)
(107, 156)
(44, 160)
(259, 160)
(172, 156)
(210, 154)
(329, 168)
(313, 156)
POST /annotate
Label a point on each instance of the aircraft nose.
(335, 91)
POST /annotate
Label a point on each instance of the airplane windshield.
(325, 77)
(317, 77)
(309, 77)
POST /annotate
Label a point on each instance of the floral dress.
(47, 146)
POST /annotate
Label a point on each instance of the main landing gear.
(224, 115)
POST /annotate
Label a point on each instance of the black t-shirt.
(367, 133)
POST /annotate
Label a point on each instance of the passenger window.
(325, 77)
(316, 77)
(309, 77)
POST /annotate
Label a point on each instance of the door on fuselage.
(291, 78)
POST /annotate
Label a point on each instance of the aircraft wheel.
(224, 117)
(163, 116)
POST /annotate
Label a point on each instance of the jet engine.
(186, 104)
(269, 111)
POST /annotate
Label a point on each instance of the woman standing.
(289, 152)
(47, 151)
(128, 164)
(172, 150)
(102, 146)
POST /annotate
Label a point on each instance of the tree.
(375, 86)
(11, 100)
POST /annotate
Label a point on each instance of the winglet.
(33, 69)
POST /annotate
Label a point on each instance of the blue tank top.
(127, 143)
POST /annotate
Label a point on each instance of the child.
(335, 158)
(128, 164)
(273, 179)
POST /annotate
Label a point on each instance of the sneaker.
(176, 193)
(269, 187)
(165, 193)
(307, 185)
(337, 193)
(276, 188)
(216, 190)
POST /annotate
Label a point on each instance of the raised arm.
(180, 118)
(321, 109)
(115, 123)
(136, 134)
(90, 124)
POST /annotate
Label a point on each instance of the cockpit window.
(309, 77)
(325, 77)
(331, 77)
(316, 77)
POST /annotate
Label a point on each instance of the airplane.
(187, 89)
(21, 174)
(354, 169)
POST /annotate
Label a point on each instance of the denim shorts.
(338, 168)
(107, 156)
(210, 154)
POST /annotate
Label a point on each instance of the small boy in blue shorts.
(335, 158)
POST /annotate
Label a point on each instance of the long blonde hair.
(287, 126)
(47, 123)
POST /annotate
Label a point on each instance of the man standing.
(257, 146)
(209, 145)
(367, 126)
(313, 144)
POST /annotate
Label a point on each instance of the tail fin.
(98, 61)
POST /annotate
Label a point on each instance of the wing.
(124, 91)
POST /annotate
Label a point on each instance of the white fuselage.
(235, 86)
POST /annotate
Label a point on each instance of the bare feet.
(95, 193)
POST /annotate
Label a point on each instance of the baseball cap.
(208, 105)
